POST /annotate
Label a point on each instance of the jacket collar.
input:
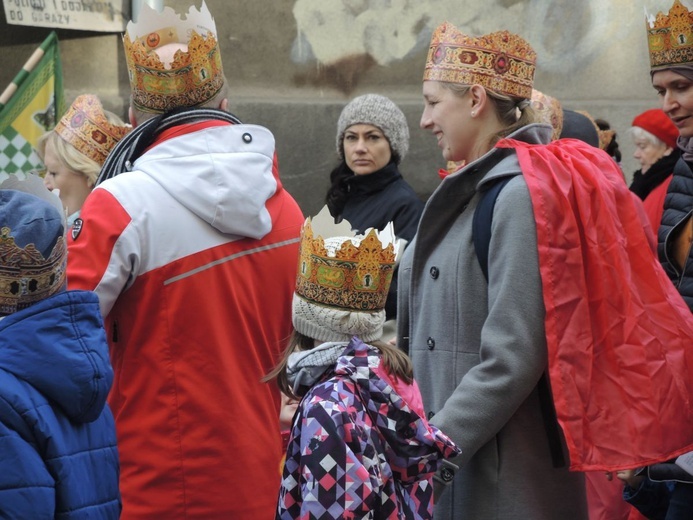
(376, 181)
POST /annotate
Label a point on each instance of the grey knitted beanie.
(376, 110)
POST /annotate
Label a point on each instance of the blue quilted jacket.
(58, 455)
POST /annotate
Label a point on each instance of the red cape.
(620, 337)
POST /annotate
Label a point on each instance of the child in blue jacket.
(58, 455)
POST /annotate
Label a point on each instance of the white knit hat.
(333, 324)
(376, 110)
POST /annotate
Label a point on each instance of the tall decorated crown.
(86, 127)
(670, 37)
(192, 78)
(338, 268)
(500, 61)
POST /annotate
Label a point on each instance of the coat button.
(247, 138)
(447, 475)
(430, 415)
(431, 343)
(434, 272)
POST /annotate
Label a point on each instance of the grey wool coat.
(479, 349)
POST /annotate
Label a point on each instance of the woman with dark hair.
(367, 187)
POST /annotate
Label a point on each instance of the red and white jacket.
(193, 255)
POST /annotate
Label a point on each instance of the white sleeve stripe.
(229, 258)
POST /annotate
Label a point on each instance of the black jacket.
(678, 208)
(378, 198)
(381, 197)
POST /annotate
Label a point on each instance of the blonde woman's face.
(448, 117)
(73, 187)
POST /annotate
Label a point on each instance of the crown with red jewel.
(670, 37)
(500, 61)
(338, 268)
(86, 127)
(192, 78)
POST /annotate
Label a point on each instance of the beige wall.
(293, 64)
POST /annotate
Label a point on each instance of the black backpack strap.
(481, 237)
(482, 220)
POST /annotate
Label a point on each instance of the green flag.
(31, 106)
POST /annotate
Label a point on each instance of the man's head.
(173, 63)
(33, 252)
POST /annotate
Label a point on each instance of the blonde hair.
(396, 362)
(512, 112)
(69, 156)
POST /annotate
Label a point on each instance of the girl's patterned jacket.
(360, 445)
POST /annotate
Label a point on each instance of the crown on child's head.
(670, 37)
(192, 78)
(501, 61)
(86, 127)
(34, 269)
(338, 268)
(26, 277)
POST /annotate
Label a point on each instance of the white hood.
(223, 174)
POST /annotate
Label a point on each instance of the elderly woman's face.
(676, 93)
(647, 152)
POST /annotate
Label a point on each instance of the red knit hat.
(658, 124)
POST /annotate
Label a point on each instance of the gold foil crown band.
(348, 271)
(501, 61)
(26, 277)
(670, 38)
(86, 127)
(191, 78)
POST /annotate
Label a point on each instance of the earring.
(474, 113)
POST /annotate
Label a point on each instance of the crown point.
(669, 37)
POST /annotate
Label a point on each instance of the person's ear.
(224, 105)
(478, 99)
(131, 117)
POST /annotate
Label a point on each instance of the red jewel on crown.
(438, 54)
(501, 64)
(77, 120)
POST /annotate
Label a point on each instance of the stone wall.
(293, 64)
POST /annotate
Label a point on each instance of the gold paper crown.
(548, 110)
(355, 274)
(25, 276)
(192, 78)
(501, 61)
(86, 127)
(670, 38)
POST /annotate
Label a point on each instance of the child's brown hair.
(396, 362)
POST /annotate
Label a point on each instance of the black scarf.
(644, 183)
(133, 145)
